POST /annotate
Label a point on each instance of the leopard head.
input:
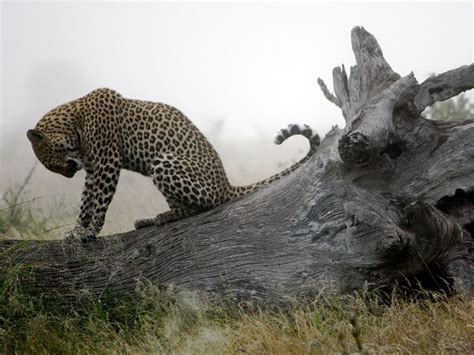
(57, 152)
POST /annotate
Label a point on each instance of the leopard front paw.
(80, 233)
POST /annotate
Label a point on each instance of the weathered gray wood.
(376, 204)
(444, 86)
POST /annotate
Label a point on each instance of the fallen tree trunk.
(390, 197)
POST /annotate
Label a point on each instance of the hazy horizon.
(253, 65)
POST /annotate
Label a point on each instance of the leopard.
(104, 132)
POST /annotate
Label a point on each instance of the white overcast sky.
(253, 64)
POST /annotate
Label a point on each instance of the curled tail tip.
(278, 139)
(297, 129)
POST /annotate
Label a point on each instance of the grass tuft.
(158, 320)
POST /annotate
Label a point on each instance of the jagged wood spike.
(444, 86)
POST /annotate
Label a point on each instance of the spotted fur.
(104, 132)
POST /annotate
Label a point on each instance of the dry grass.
(325, 327)
(187, 323)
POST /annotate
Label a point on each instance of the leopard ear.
(35, 136)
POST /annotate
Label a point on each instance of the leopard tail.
(281, 136)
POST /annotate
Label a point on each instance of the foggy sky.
(254, 65)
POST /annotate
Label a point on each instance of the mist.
(239, 71)
(254, 65)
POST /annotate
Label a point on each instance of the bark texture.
(387, 198)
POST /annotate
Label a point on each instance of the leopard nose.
(72, 165)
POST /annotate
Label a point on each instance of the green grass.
(158, 320)
(165, 321)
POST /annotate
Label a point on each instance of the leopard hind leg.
(172, 215)
(173, 177)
